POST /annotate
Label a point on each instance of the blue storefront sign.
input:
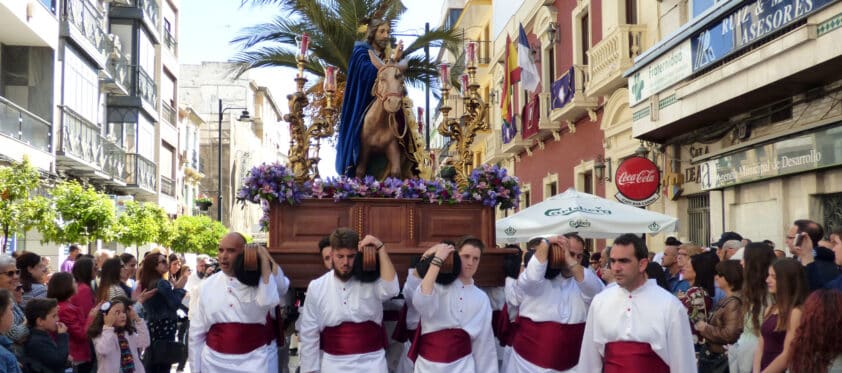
(749, 23)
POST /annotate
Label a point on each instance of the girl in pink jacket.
(118, 332)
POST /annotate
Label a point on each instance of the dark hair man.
(818, 261)
(456, 333)
(340, 326)
(229, 326)
(637, 323)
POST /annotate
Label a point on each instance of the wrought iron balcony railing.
(141, 172)
(169, 41)
(115, 160)
(169, 114)
(19, 124)
(145, 87)
(87, 20)
(80, 138)
(167, 186)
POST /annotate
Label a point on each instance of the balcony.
(80, 150)
(611, 57)
(147, 10)
(169, 41)
(116, 79)
(145, 87)
(167, 186)
(115, 163)
(19, 124)
(169, 114)
(517, 144)
(573, 108)
(83, 23)
(494, 148)
(141, 174)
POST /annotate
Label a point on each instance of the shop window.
(699, 217)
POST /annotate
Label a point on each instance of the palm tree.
(333, 28)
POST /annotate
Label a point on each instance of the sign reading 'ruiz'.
(638, 181)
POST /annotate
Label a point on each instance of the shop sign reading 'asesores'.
(638, 181)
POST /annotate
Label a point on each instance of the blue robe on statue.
(361, 76)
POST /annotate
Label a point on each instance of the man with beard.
(553, 308)
(340, 328)
(230, 327)
(636, 326)
(361, 76)
(455, 323)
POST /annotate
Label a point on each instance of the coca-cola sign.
(638, 181)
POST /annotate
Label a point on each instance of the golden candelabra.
(302, 161)
(463, 130)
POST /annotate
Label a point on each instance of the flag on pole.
(510, 76)
(529, 72)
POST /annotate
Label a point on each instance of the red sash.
(238, 338)
(503, 328)
(443, 346)
(548, 344)
(349, 338)
(632, 357)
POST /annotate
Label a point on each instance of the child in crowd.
(43, 353)
(118, 333)
(62, 287)
(8, 362)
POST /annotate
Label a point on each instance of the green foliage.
(333, 29)
(83, 215)
(197, 234)
(20, 209)
(142, 223)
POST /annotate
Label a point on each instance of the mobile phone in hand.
(799, 238)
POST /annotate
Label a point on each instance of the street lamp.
(244, 117)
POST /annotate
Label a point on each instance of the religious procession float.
(386, 186)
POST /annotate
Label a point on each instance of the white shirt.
(561, 300)
(228, 300)
(331, 302)
(405, 365)
(648, 314)
(513, 298)
(458, 306)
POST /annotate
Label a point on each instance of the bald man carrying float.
(231, 329)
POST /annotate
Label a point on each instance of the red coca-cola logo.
(637, 178)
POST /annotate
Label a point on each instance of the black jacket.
(45, 354)
(822, 270)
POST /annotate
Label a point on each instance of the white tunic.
(561, 300)
(405, 365)
(497, 296)
(513, 298)
(648, 314)
(458, 306)
(224, 299)
(331, 302)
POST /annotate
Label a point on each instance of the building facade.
(742, 100)
(245, 142)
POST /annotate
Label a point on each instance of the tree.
(197, 234)
(142, 223)
(83, 215)
(333, 28)
(20, 209)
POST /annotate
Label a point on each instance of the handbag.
(712, 362)
(164, 353)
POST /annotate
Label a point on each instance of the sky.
(207, 27)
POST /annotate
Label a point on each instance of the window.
(81, 86)
(699, 216)
(167, 165)
(145, 138)
(26, 78)
(580, 32)
(146, 54)
(588, 179)
(452, 16)
(550, 183)
(525, 196)
(631, 12)
(584, 25)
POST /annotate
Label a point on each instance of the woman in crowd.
(32, 272)
(10, 280)
(109, 281)
(161, 308)
(726, 324)
(698, 272)
(8, 361)
(788, 286)
(83, 273)
(817, 347)
(174, 268)
(118, 334)
(127, 277)
(757, 257)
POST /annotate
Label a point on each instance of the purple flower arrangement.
(268, 183)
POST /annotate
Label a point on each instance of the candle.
(330, 79)
(465, 82)
(305, 42)
(444, 74)
(471, 53)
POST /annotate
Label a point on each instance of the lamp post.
(244, 117)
